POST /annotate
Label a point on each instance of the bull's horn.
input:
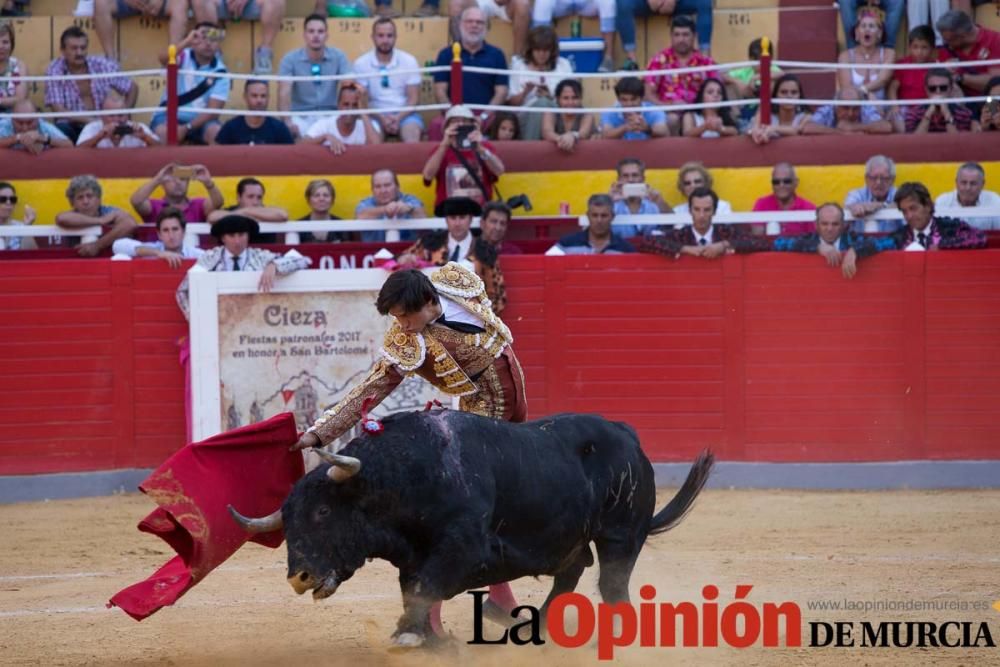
(341, 467)
(266, 524)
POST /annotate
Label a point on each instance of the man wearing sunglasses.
(950, 118)
(387, 89)
(314, 99)
(198, 90)
(783, 197)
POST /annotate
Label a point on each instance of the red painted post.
(172, 95)
(765, 82)
(456, 73)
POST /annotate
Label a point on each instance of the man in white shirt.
(116, 130)
(340, 130)
(389, 90)
(969, 193)
(170, 226)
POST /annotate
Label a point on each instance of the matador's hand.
(307, 440)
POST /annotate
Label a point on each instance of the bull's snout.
(302, 582)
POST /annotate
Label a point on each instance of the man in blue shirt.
(632, 125)
(255, 130)
(477, 88)
(388, 202)
(597, 238)
(310, 99)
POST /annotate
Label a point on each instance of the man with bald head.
(783, 197)
(116, 130)
(30, 134)
(833, 241)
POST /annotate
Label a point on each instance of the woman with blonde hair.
(690, 177)
(320, 195)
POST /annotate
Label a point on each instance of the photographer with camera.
(464, 163)
(116, 130)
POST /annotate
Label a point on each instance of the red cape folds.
(249, 468)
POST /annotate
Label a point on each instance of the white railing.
(773, 219)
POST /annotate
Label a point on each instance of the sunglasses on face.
(782, 181)
(8, 200)
(690, 183)
(938, 89)
(213, 34)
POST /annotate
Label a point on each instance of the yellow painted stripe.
(740, 186)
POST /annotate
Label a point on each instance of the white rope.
(967, 64)
(621, 74)
(84, 77)
(85, 113)
(319, 77)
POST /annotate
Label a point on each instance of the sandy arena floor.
(61, 561)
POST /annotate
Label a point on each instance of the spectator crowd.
(371, 102)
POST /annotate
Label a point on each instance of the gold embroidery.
(488, 401)
(402, 349)
(340, 418)
(449, 376)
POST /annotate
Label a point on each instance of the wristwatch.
(187, 128)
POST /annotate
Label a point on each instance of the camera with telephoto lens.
(518, 201)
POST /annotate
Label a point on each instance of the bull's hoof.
(405, 641)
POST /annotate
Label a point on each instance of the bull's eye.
(322, 512)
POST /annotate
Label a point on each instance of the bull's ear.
(341, 467)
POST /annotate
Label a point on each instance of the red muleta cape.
(249, 468)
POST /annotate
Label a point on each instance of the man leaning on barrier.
(833, 241)
(703, 238)
(33, 135)
(924, 230)
(84, 195)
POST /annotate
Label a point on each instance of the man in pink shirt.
(175, 179)
(784, 182)
(668, 88)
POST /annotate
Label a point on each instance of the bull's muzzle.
(304, 581)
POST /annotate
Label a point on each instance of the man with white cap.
(464, 164)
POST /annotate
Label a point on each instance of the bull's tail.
(681, 504)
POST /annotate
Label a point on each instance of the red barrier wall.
(764, 358)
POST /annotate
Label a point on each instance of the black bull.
(456, 501)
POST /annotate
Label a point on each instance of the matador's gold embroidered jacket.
(446, 358)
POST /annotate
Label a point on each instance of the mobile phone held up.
(630, 190)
